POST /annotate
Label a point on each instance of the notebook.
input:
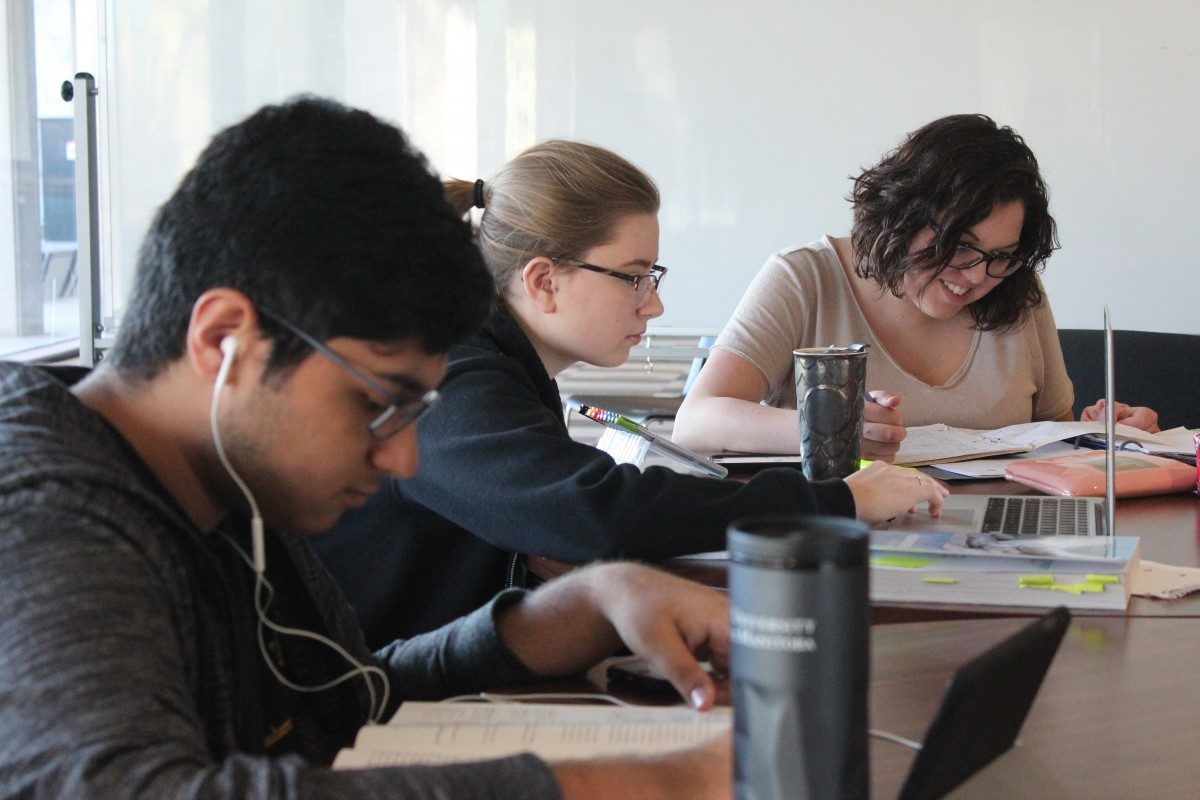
(1023, 515)
(984, 706)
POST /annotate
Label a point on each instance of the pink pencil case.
(1082, 474)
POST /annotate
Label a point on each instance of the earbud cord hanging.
(258, 565)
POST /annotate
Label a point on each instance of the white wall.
(750, 115)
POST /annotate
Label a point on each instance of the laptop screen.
(983, 708)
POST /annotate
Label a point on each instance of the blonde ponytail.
(557, 199)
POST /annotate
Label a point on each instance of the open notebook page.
(445, 732)
(932, 444)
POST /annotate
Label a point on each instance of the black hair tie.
(479, 193)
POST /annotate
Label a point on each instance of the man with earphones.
(165, 630)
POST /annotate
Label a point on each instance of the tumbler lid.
(832, 351)
(800, 541)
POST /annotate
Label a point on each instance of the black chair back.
(1159, 370)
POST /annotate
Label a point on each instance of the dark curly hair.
(321, 214)
(953, 172)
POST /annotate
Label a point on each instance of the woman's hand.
(882, 491)
(1140, 417)
(883, 426)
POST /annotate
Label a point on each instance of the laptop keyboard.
(1036, 516)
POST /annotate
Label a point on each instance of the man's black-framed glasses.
(643, 285)
(400, 412)
(997, 265)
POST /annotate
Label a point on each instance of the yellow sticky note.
(1102, 579)
(903, 562)
(942, 581)
(1035, 581)
(1084, 587)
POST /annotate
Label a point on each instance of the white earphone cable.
(263, 591)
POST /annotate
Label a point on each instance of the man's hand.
(883, 426)
(570, 623)
(702, 773)
(1140, 417)
(670, 621)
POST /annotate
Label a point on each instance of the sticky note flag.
(1102, 579)
(903, 562)
(942, 581)
(1035, 581)
(1085, 587)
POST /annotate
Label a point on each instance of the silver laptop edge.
(1110, 457)
(1102, 511)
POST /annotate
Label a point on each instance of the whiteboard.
(750, 115)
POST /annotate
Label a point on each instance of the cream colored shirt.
(802, 298)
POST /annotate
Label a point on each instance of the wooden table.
(1168, 524)
(1118, 715)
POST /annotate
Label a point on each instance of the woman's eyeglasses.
(643, 285)
(965, 256)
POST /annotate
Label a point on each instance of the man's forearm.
(560, 629)
(703, 773)
(571, 623)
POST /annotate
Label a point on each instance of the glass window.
(38, 282)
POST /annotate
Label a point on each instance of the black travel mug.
(800, 657)
(830, 387)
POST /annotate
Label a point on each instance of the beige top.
(803, 298)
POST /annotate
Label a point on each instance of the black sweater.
(499, 475)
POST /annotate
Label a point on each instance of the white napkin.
(1163, 581)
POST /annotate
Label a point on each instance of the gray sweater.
(129, 666)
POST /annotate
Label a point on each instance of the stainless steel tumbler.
(800, 657)
(830, 382)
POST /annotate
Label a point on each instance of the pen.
(612, 418)
(625, 424)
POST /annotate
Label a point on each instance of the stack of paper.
(938, 444)
(441, 733)
(1086, 572)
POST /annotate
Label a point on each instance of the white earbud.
(229, 349)
(263, 590)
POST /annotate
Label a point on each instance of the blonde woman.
(570, 232)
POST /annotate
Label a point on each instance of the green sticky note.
(942, 581)
(1035, 581)
(1079, 588)
(903, 562)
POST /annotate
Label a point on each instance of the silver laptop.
(1031, 515)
